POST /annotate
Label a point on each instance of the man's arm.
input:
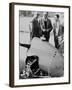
(41, 23)
(50, 26)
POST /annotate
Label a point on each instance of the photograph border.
(11, 43)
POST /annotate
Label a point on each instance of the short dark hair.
(57, 15)
(38, 14)
(47, 13)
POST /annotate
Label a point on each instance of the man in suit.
(36, 29)
(46, 26)
(58, 30)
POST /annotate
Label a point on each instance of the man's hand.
(49, 29)
(43, 30)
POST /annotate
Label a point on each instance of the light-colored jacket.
(58, 29)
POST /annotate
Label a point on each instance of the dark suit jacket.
(36, 29)
(49, 24)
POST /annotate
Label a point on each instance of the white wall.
(4, 44)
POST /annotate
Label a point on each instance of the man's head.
(37, 15)
(57, 17)
(46, 15)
